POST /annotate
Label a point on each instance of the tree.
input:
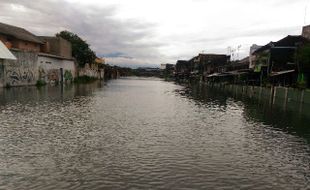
(303, 62)
(303, 58)
(80, 48)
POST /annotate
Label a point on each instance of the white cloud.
(158, 31)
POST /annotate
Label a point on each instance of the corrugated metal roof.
(5, 52)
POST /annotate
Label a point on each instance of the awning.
(5, 52)
(281, 73)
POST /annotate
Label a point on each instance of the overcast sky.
(151, 32)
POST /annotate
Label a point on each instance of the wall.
(27, 46)
(1, 73)
(49, 69)
(22, 71)
(91, 71)
(306, 32)
(57, 46)
(286, 98)
(20, 44)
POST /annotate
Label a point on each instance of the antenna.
(238, 49)
(306, 10)
(305, 18)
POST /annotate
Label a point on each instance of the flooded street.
(148, 134)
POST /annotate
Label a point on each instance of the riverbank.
(285, 98)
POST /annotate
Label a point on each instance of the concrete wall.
(306, 32)
(287, 98)
(91, 72)
(1, 73)
(20, 44)
(49, 69)
(21, 71)
(31, 67)
(57, 46)
(27, 46)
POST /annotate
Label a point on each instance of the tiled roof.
(19, 33)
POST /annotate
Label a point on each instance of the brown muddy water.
(137, 133)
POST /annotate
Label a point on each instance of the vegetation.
(80, 48)
(40, 83)
(303, 57)
(68, 76)
(303, 60)
(84, 79)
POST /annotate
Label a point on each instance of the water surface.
(140, 133)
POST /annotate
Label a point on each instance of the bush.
(40, 83)
(84, 79)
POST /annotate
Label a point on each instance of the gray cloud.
(132, 41)
(95, 24)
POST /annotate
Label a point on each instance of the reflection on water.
(148, 134)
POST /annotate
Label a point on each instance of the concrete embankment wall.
(287, 98)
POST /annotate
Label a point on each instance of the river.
(138, 133)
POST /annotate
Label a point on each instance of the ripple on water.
(146, 134)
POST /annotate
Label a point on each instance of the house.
(44, 59)
(252, 56)
(55, 62)
(5, 54)
(167, 70)
(182, 69)
(214, 63)
(18, 38)
(240, 65)
(277, 60)
(56, 45)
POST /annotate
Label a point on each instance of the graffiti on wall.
(21, 71)
(42, 74)
(19, 76)
(53, 75)
(68, 76)
(1, 70)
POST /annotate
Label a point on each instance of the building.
(252, 57)
(306, 32)
(38, 59)
(182, 69)
(55, 61)
(239, 65)
(214, 63)
(5, 54)
(277, 60)
(57, 46)
(18, 38)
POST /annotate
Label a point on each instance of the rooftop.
(19, 33)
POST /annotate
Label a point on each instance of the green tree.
(80, 48)
(303, 61)
(303, 58)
